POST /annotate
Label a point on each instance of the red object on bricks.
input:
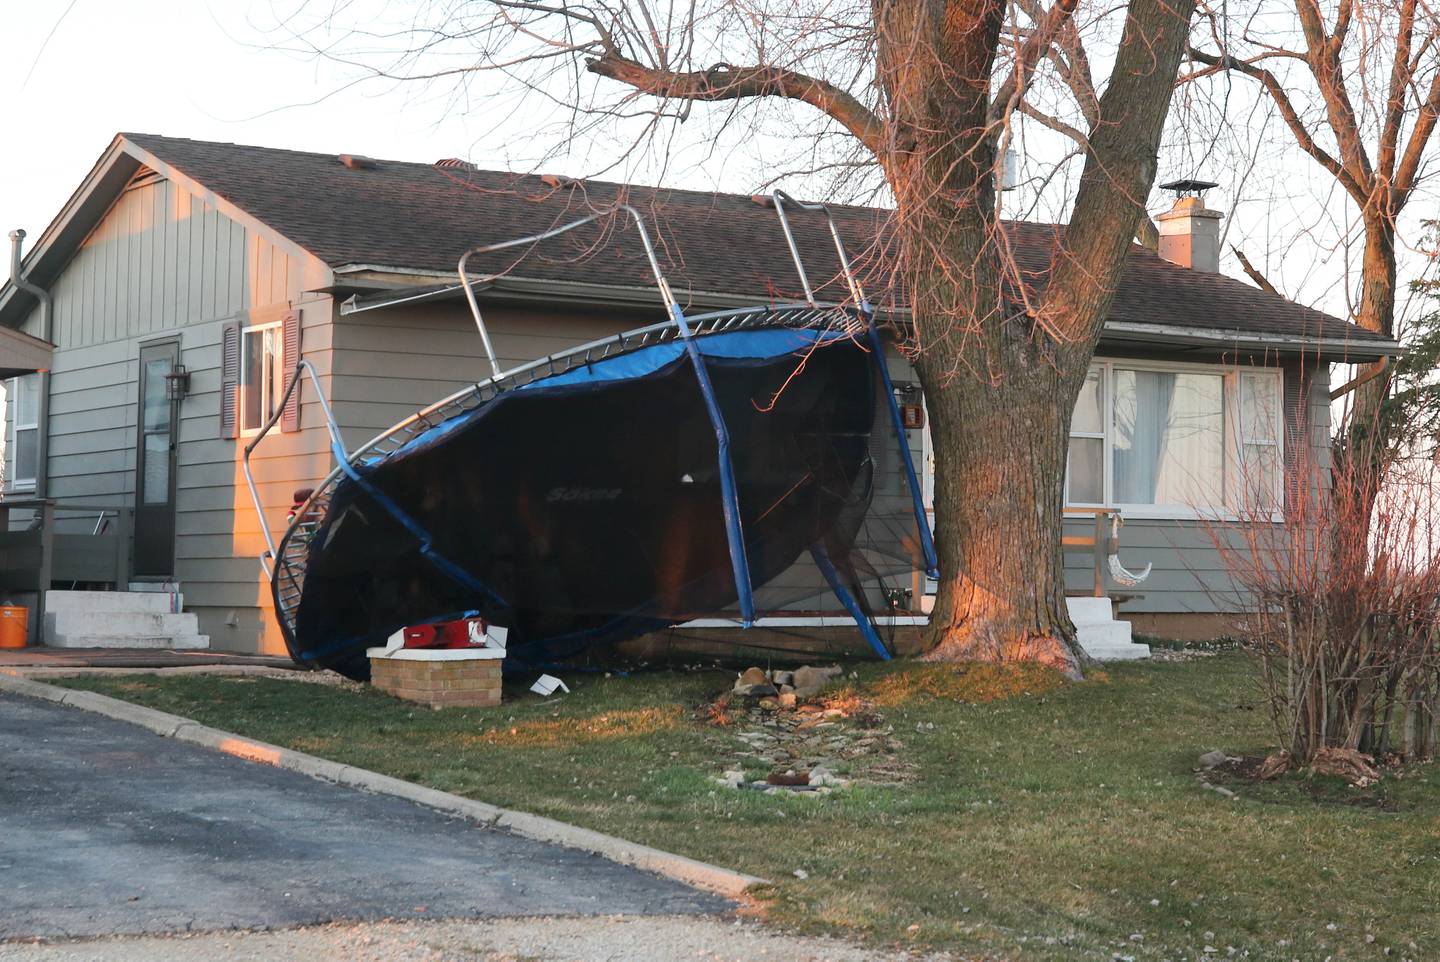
(444, 634)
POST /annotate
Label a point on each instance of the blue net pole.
(739, 563)
(917, 496)
(862, 621)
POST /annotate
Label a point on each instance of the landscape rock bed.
(811, 745)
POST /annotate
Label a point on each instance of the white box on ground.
(547, 684)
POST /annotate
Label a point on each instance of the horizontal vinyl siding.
(391, 363)
(164, 264)
(218, 534)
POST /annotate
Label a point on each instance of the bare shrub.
(1343, 614)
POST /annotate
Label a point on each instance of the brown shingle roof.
(419, 217)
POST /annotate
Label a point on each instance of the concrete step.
(165, 587)
(128, 641)
(1091, 611)
(1130, 652)
(157, 602)
(120, 619)
(1100, 633)
(120, 623)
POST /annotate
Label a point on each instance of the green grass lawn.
(1055, 824)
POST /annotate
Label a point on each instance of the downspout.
(47, 310)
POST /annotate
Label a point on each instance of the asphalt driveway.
(107, 829)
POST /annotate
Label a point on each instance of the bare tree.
(1358, 87)
(924, 92)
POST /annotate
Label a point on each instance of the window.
(260, 379)
(1086, 477)
(25, 408)
(1259, 475)
(1176, 439)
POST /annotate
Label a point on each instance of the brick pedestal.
(439, 677)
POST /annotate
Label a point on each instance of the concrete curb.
(701, 875)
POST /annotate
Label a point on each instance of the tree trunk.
(1376, 311)
(1001, 372)
(1000, 452)
(1363, 453)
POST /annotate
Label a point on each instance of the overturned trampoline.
(730, 464)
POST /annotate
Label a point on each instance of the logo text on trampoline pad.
(583, 494)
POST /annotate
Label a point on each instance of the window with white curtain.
(25, 409)
(260, 363)
(1176, 439)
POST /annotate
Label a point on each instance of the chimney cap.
(1193, 188)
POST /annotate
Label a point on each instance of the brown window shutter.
(290, 332)
(230, 379)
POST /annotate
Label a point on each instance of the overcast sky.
(77, 71)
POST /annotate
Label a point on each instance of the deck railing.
(46, 544)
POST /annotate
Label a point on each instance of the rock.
(731, 779)
(752, 676)
(1211, 760)
(769, 704)
(766, 690)
(782, 678)
(808, 680)
(752, 683)
(801, 874)
(787, 699)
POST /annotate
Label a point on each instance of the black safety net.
(586, 509)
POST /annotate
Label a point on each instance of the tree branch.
(1012, 90)
(1291, 116)
(724, 82)
(1253, 272)
(1409, 169)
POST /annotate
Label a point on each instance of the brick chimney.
(1190, 232)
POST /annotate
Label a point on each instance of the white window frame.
(1233, 443)
(271, 376)
(22, 421)
(1103, 435)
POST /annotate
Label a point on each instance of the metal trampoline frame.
(284, 564)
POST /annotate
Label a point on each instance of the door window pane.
(1169, 444)
(157, 405)
(155, 421)
(156, 480)
(1087, 471)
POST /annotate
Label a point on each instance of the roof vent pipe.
(47, 311)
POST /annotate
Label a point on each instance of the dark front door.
(155, 465)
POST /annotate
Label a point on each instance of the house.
(183, 279)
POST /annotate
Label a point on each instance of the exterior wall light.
(177, 383)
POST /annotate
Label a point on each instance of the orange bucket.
(14, 626)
